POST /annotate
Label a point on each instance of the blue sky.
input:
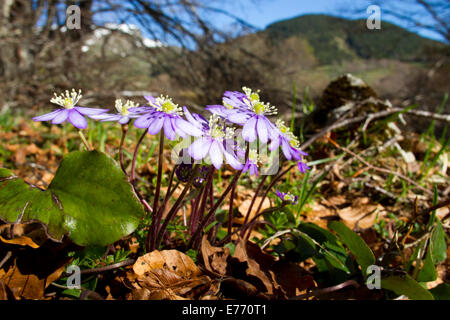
(261, 13)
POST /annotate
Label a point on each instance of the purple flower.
(215, 142)
(247, 110)
(74, 114)
(252, 163)
(287, 197)
(302, 166)
(201, 176)
(183, 171)
(289, 145)
(164, 114)
(123, 115)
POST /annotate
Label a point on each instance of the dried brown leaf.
(168, 274)
(217, 256)
(362, 213)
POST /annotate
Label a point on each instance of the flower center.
(217, 133)
(216, 129)
(257, 106)
(68, 99)
(253, 156)
(123, 108)
(68, 103)
(166, 105)
(289, 197)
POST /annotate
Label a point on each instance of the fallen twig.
(384, 170)
(110, 267)
(372, 116)
(327, 290)
(5, 259)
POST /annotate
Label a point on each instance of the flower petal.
(218, 110)
(238, 117)
(232, 161)
(188, 128)
(180, 132)
(48, 116)
(200, 148)
(274, 144)
(215, 153)
(302, 167)
(143, 121)
(61, 117)
(190, 118)
(124, 120)
(286, 149)
(263, 132)
(103, 116)
(150, 99)
(253, 170)
(90, 111)
(77, 119)
(249, 130)
(156, 125)
(169, 132)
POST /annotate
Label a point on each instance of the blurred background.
(194, 50)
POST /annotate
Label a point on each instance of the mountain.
(335, 39)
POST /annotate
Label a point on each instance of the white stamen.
(216, 129)
(67, 100)
(254, 104)
(253, 156)
(165, 104)
(123, 108)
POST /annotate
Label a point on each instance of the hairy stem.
(133, 162)
(122, 140)
(174, 209)
(230, 211)
(157, 216)
(85, 142)
(160, 167)
(258, 189)
(213, 209)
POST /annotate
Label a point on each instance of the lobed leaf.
(89, 199)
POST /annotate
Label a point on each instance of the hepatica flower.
(247, 110)
(69, 111)
(289, 145)
(163, 113)
(251, 164)
(214, 142)
(123, 115)
(287, 197)
(184, 170)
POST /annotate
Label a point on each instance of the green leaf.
(405, 285)
(329, 255)
(356, 245)
(438, 244)
(436, 253)
(317, 233)
(441, 292)
(89, 199)
(428, 271)
(332, 255)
